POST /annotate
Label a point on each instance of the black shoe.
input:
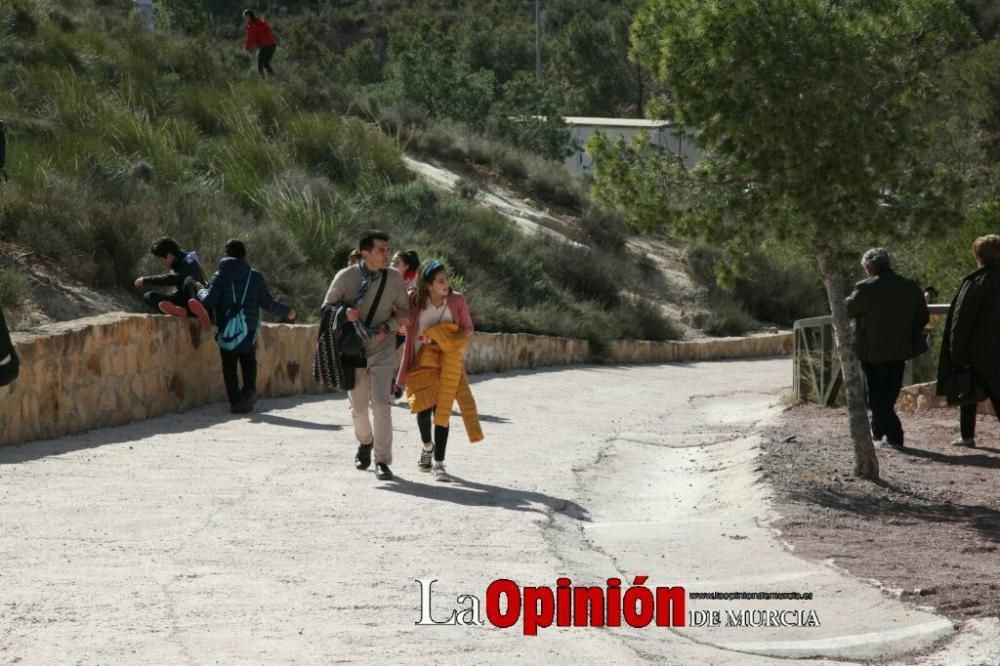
(250, 399)
(240, 407)
(382, 472)
(364, 457)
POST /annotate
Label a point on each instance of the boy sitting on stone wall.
(184, 274)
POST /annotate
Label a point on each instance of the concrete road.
(206, 538)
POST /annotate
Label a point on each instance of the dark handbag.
(352, 347)
(965, 387)
(10, 369)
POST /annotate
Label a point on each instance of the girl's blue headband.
(432, 266)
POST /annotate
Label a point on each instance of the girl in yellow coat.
(433, 365)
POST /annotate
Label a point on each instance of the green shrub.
(649, 321)
(553, 183)
(343, 149)
(603, 229)
(466, 189)
(727, 318)
(770, 284)
(205, 107)
(400, 117)
(13, 287)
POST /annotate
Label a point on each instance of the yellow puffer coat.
(439, 380)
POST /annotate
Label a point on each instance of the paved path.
(205, 538)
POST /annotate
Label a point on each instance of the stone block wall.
(500, 352)
(921, 397)
(109, 370)
(116, 368)
(712, 349)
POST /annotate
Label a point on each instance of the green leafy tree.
(529, 115)
(427, 72)
(590, 59)
(816, 120)
(360, 64)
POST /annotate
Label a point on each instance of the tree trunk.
(865, 461)
(638, 78)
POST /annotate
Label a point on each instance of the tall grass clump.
(343, 149)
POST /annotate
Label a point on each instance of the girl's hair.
(411, 259)
(425, 278)
(249, 13)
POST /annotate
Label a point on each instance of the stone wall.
(109, 370)
(711, 349)
(116, 368)
(921, 397)
(500, 352)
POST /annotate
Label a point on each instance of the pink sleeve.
(462, 316)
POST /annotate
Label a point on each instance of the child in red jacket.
(259, 36)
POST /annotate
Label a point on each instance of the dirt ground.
(930, 531)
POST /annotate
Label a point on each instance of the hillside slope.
(118, 135)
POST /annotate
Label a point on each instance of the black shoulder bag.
(352, 347)
(10, 364)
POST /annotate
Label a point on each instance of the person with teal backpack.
(235, 296)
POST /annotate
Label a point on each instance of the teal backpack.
(235, 331)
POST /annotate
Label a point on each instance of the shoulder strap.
(378, 297)
(245, 289)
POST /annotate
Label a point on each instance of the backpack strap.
(378, 297)
(245, 289)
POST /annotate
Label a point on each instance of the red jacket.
(259, 35)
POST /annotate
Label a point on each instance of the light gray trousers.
(371, 400)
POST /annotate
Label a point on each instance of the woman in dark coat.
(972, 335)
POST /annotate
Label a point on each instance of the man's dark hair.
(368, 240)
(249, 13)
(236, 249)
(929, 289)
(164, 246)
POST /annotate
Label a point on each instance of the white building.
(144, 8)
(661, 133)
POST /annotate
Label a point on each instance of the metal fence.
(818, 376)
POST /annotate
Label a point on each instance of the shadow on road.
(972, 460)
(471, 493)
(298, 424)
(484, 418)
(190, 421)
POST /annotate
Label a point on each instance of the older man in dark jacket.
(237, 282)
(972, 336)
(889, 312)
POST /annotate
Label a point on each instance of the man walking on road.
(378, 303)
(890, 313)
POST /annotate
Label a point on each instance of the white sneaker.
(439, 473)
(961, 441)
